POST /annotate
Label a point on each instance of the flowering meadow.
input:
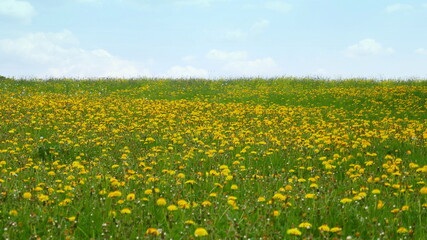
(226, 159)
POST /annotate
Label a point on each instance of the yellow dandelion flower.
(336, 229)
(294, 232)
(161, 202)
(234, 187)
(114, 194)
(380, 204)
(261, 199)
(125, 211)
(190, 222)
(27, 195)
(172, 207)
(376, 191)
(310, 195)
(276, 213)
(405, 208)
(346, 200)
(306, 225)
(200, 232)
(71, 219)
(152, 232)
(402, 230)
(423, 190)
(13, 212)
(130, 196)
(324, 228)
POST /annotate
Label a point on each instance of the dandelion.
(376, 191)
(336, 229)
(324, 228)
(114, 194)
(276, 213)
(310, 196)
(125, 211)
(306, 225)
(27, 195)
(161, 202)
(294, 232)
(200, 232)
(172, 207)
(190, 222)
(130, 196)
(13, 212)
(71, 219)
(402, 230)
(345, 200)
(423, 190)
(152, 232)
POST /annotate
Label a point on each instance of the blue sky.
(213, 38)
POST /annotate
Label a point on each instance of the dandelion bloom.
(310, 195)
(276, 213)
(336, 229)
(152, 231)
(190, 222)
(125, 211)
(346, 200)
(26, 195)
(130, 196)
(234, 187)
(294, 231)
(71, 219)
(261, 199)
(305, 225)
(114, 194)
(200, 232)
(402, 230)
(161, 202)
(13, 212)
(324, 228)
(376, 191)
(405, 208)
(380, 204)
(172, 207)
(423, 190)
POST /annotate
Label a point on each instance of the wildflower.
(152, 231)
(346, 200)
(112, 213)
(125, 211)
(376, 191)
(380, 204)
(172, 207)
(206, 203)
(276, 213)
(26, 195)
(71, 219)
(402, 230)
(190, 222)
(305, 225)
(130, 196)
(13, 212)
(324, 228)
(114, 194)
(261, 199)
(423, 190)
(200, 232)
(148, 192)
(42, 197)
(161, 202)
(336, 229)
(234, 187)
(310, 195)
(183, 204)
(294, 231)
(405, 208)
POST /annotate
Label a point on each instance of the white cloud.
(368, 47)
(278, 6)
(398, 7)
(188, 58)
(199, 3)
(59, 55)
(421, 51)
(252, 68)
(186, 72)
(235, 34)
(21, 10)
(226, 56)
(260, 26)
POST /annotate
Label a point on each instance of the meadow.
(227, 159)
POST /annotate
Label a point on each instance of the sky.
(213, 38)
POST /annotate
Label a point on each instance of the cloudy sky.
(213, 38)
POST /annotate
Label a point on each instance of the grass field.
(236, 159)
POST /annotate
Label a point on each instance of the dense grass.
(244, 158)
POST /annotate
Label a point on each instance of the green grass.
(79, 141)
